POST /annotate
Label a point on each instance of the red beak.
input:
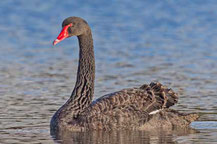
(63, 34)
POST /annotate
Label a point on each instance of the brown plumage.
(132, 108)
(128, 108)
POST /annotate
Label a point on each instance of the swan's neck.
(84, 88)
(82, 94)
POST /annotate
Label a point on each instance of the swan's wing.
(130, 107)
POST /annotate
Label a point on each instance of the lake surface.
(136, 42)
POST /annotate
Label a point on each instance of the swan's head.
(72, 26)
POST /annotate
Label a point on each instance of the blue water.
(136, 42)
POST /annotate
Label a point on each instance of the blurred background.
(136, 42)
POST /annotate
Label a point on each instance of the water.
(136, 42)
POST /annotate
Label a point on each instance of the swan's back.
(128, 108)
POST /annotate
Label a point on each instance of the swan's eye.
(70, 29)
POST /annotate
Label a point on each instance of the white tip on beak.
(56, 41)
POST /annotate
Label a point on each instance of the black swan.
(143, 108)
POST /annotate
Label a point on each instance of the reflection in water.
(122, 137)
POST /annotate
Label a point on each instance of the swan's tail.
(181, 119)
(169, 118)
(163, 94)
(191, 117)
